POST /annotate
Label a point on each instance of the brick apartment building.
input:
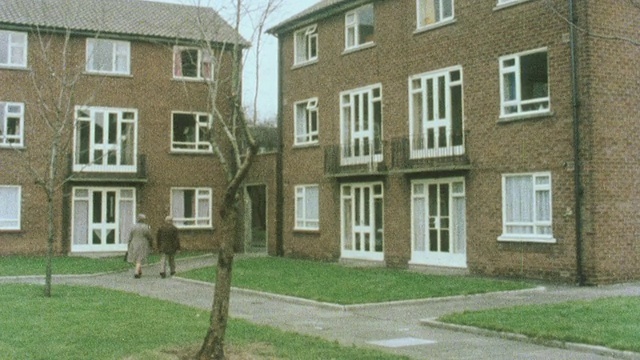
(483, 135)
(140, 110)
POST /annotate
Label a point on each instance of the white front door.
(362, 223)
(438, 222)
(102, 218)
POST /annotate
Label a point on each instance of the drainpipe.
(279, 177)
(577, 176)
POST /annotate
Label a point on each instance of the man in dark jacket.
(168, 245)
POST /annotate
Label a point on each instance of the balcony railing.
(414, 156)
(108, 173)
(355, 158)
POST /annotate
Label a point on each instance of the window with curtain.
(432, 12)
(10, 207)
(13, 49)
(306, 125)
(11, 124)
(108, 56)
(307, 207)
(306, 45)
(192, 64)
(191, 207)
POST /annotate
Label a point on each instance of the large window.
(526, 207)
(306, 45)
(10, 204)
(13, 49)
(190, 132)
(435, 107)
(191, 207)
(192, 64)
(432, 12)
(11, 124)
(362, 223)
(361, 125)
(105, 139)
(307, 207)
(359, 26)
(524, 81)
(108, 56)
(306, 126)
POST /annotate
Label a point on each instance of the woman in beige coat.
(140, 240)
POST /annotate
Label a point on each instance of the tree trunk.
(213, 345)
(50, 241)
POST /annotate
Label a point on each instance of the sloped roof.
(121, 17)
(321, 9)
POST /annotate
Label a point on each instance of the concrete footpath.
(403, 328)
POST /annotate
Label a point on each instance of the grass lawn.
(338, 284)
(610, 322)
(93, 323)
(65, 265)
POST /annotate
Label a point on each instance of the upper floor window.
(191, 207)
(435, 110)
(10, 204)
(524, 83)
(105, 139)
(526, 207)
(13, 49)
(306, 126)
(306, 45)
(432, 12)
(11, 124)
(361, 125)
(108, 56)
(190, 131)
(307, 207)
(359, 27)
(192, 63)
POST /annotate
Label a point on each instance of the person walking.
(168, 245)
(140, 242)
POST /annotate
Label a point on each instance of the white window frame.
(352, 23)
(9, 222)
(354, 222)
(511, 65)
(120, 54)
(355, 129)
(199, 144)
(439, 18)
(125, 146)
(306, 124)
(305, 45)
(202, 218)
(431, 86)
(17, 42)
(204, 59)
(303, 202)
(541, 229)
(17, 111)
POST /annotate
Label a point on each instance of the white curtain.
(519, 204)
(81, 222)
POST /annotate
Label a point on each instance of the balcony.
(414, 157)
(107, 173)
(357, 158)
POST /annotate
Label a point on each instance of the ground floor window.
(362, 221)
(191, 207)
(102, 218)
(438, 217)
(307, 207)
(10, 206)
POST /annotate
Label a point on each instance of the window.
(361, 125)
(362, 224)
(306, 45)
(526, 207)
(306, 126)
(191, 207)
(13, 49)
(359, 27)
(190, 131)
(192, 63)
(105, 140)
(11, 124)
(435, 108)
(524, 83)
(10, 204)
(434, 11)
(108, 56)
(307, 207)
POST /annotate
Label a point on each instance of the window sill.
(16, 67)
(525, 116)
(190, 152)
(434, 26)
(195, 228)
(358, 48)
(93, 73)
(306, 231)
(510, 4)
(526, 239)
(188, 79)
(306, 145)
(304, 64)
(12, 147)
